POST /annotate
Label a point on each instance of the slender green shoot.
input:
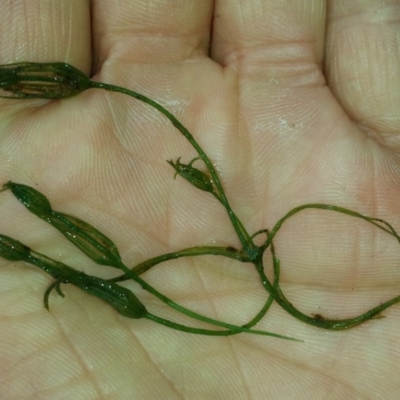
(59, 80)
(118, 297)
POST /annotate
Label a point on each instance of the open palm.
(295, 102)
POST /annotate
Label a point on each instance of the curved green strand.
(280, 298)
(242, 233)
(232, 329)
(144, 266)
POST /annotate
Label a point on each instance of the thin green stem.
(379, 223)
(125, 302)
(228, 252)
(168, 301)
(195, 251)
(242, 233)
(232, 329)
(280, 298)
(335, 324)
(270, 299)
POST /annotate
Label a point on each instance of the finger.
(362, 64)
(46, 30)
(274, 49)
(151, 30)
(269, 38)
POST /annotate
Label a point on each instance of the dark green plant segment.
(27, 80)
(59, 80)
(87, 238)
(122, 299)
(118, 297)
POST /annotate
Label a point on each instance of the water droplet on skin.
(218, 169)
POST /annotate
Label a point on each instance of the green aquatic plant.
(118, 297)
(103, 251)
(58, 81)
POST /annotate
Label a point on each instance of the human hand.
(246, 79)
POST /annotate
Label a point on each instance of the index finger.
(157, 31)
(46, 31)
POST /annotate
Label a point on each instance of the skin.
(295, 102)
